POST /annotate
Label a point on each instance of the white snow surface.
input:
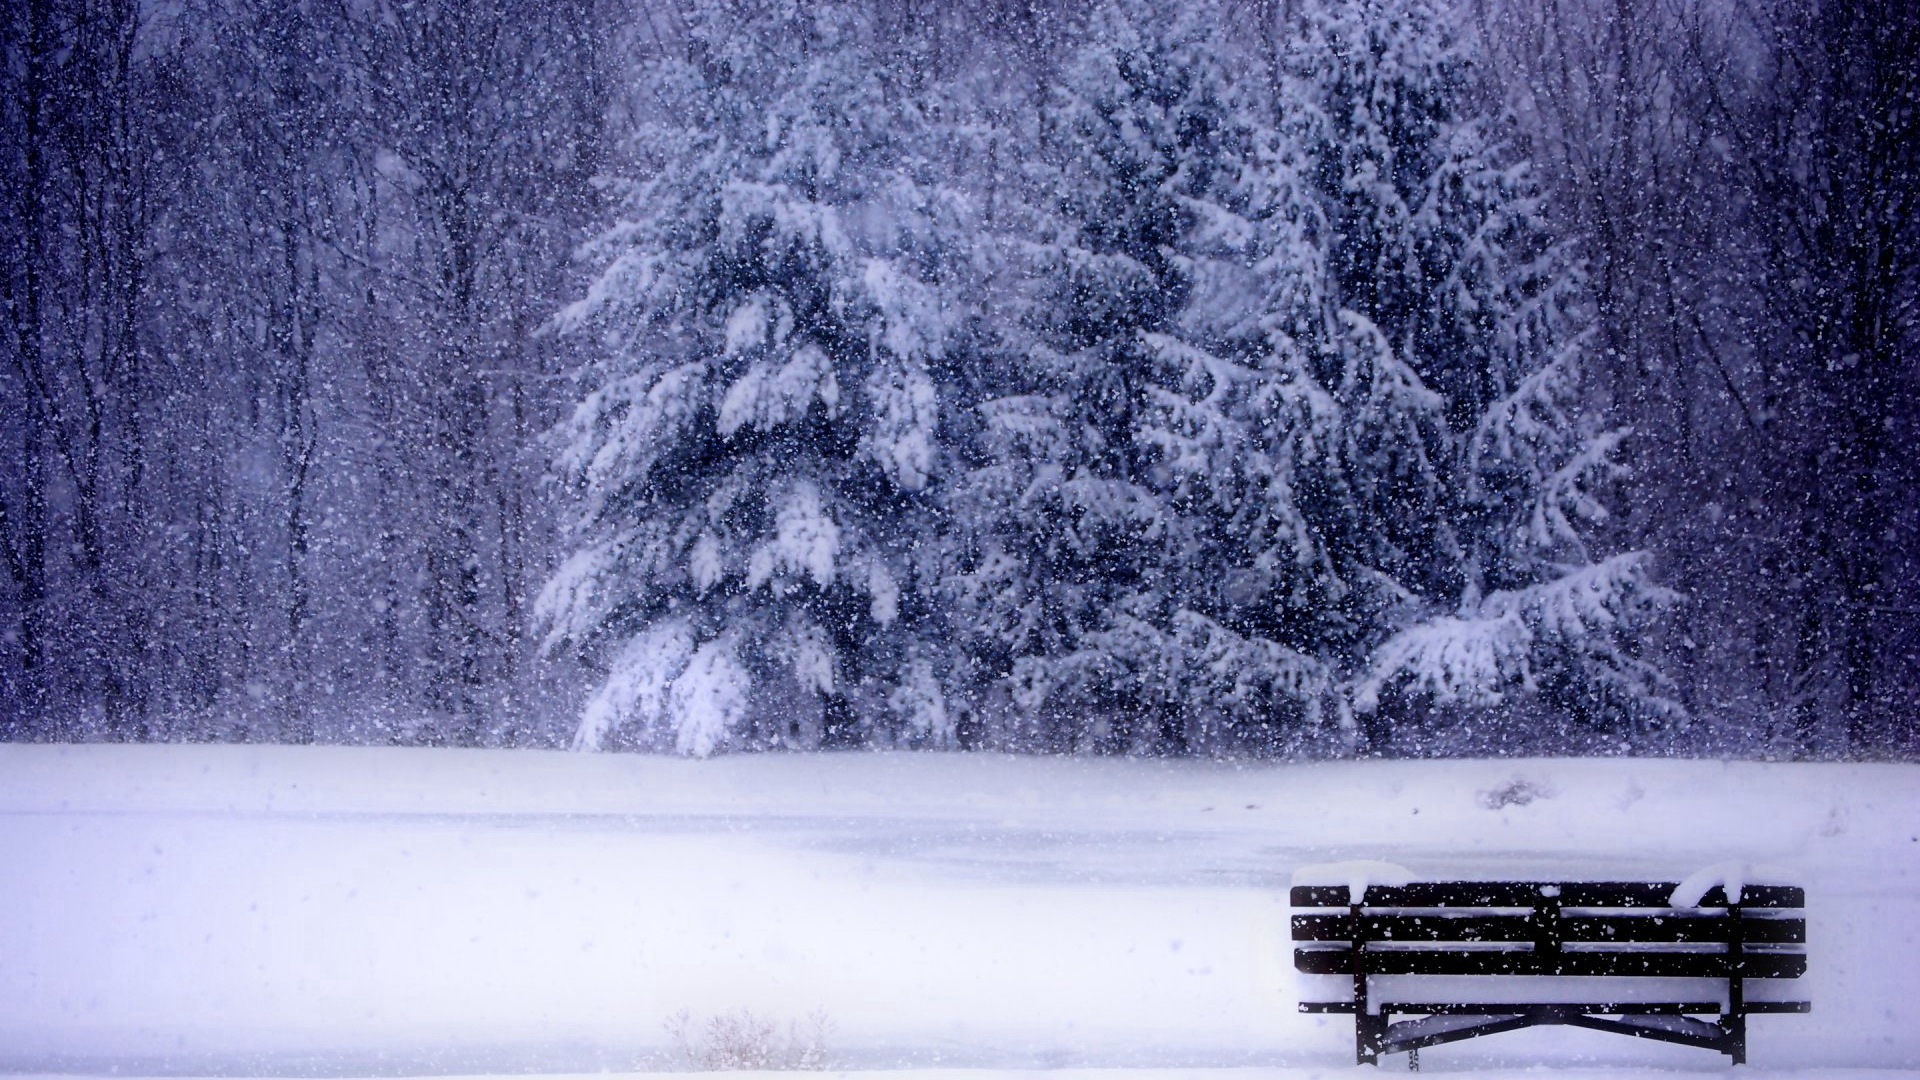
(340, 912)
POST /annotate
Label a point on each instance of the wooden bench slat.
(1519, 894)
(1616, 1008)
(1754, 965)
(1683, 929)
(1575, 928)
(1604, 1008)
(1516, 894)
(1660, 894)
(1413, 928)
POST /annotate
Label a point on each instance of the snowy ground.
(257, 911)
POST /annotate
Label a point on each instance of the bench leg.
(1736, 1029)
(1369, 1031)
(1735, 1022)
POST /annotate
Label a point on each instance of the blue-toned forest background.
(1302, 378)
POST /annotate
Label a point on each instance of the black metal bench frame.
(1624, 930)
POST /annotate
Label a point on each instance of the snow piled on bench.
(1355, 875)
(1733, 876)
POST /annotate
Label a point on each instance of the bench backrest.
(1549, 928)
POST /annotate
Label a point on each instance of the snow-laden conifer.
(1296, 437)
(753, 456)
(1454, 334)
(1130, 459)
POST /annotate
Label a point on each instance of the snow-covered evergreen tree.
(1275, 429)
(1244, 440)
(1453, 322)
(753, 457)
(1126, 415)
(1296, 443)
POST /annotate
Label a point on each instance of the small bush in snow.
(1518, 791)
(742, 1039)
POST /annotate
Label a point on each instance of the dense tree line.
(1744, 183)
(271, 386)
(1379, 375)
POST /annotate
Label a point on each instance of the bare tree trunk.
(292, 341)
(26, 525)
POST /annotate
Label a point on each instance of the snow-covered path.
(357, 912)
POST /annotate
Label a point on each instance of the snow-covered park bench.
(1470, 958)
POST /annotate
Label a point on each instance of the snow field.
(280, 911)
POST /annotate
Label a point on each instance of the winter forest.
(1268, 377)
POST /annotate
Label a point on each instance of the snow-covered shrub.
(742, 1039)
(1518, 791)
